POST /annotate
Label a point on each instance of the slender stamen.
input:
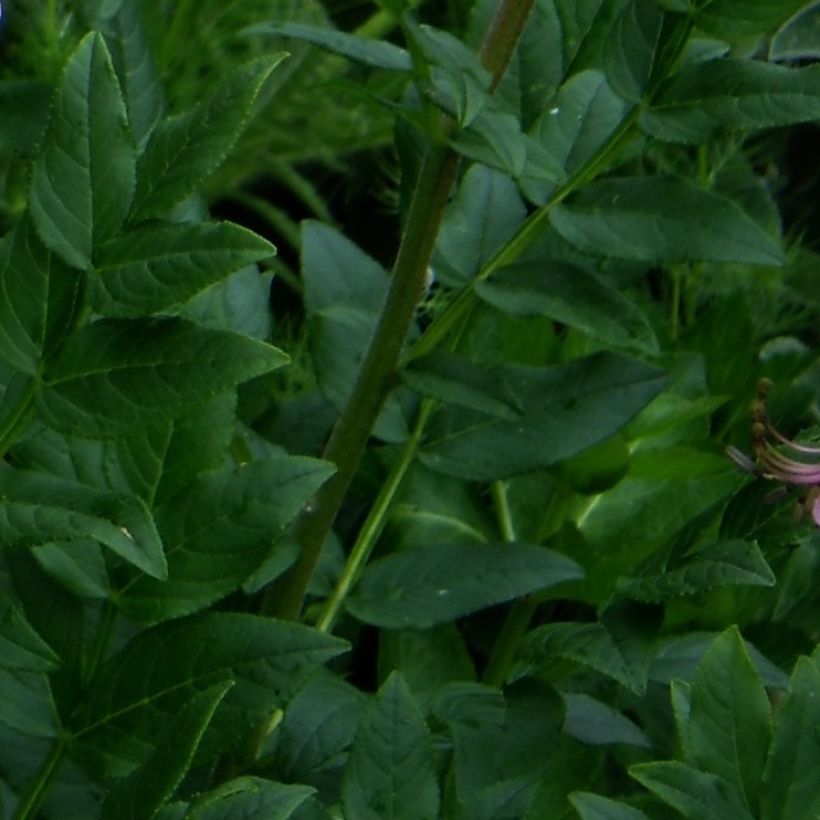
(772, 463)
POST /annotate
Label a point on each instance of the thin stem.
(508, 641)
(502, 509)
(518, 619)
(372, 527)
(348, 440)
(32, 800)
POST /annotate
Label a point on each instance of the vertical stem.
(503, 35)
(508, 641)
(521, 612)
(349, 437)
(372, 527)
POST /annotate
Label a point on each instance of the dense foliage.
(490, 536)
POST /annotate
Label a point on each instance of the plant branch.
(373, 525)
(376, 378)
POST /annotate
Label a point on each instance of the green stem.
(518, 619)
(33, 798)
(502, 509)
(348, 440)
(509, 640)
(372, 527)
(376, 378)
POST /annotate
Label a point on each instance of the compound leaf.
(83, 179)
(153, 268)
(114, 374)
(140, 795)
(219, 531)
(706, 99)
(185, 149)
(138, 690)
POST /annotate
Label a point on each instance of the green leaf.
(598, 724)
(572, 296)
(440, 582)
(240, 303)
(791, 781)
(344, 293)
(250, 798)
(662, 219)
(586, 643)
(113, 374)
(694, 794)
(95, 12)
(798, 39)
(707, 99)
(137, 691)
(150, 269)
(495, 138)
(27, 705)
(337, 272)
(83, 179)
(451, 378)
(37, 509)
(595, 807)
(726, 563)
(663, 490)
(459, 83)
(140, 795)
(736, 19)
(58, 618)
(185, 149)
(139, 79)
(632, 48)
(583, 116)
(78, 565)
(38, 295)
(730, 722)
(20, 645)
(485, 214)
(504, 746)
(679, 657)
(372, 52)
(219, 531)
(565, 409)
(318, 728)
(390, 774)
(427, 659)
(153, 462)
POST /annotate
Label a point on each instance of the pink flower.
(773, 459)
